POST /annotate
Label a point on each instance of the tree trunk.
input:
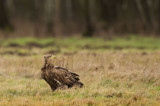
(50, 16)
(89, 26)
(4, 21)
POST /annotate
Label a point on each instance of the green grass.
(132, 42)
(34, 46)
(104, 93)
(112, 76)
(25, 41)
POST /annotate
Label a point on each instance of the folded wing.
(65, 77)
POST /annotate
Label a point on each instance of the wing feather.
(64, 76)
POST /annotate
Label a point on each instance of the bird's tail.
(79, 84)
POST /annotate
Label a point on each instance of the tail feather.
(74, 74)
(80, 84)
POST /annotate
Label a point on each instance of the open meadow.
(123, 72)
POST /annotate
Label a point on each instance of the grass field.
(124, 72)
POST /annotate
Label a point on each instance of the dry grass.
(110, 78)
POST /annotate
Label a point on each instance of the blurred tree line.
(71, 17)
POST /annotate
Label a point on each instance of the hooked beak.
(53, 57)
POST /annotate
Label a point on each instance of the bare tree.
(89, 26)
(4, 20)
(50, 15)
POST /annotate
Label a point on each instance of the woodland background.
(41, 18)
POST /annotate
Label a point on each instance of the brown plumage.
(58, 77)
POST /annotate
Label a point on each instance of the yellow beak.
(53, 57)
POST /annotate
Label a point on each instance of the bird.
(58, 77)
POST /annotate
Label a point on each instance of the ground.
(115, 72)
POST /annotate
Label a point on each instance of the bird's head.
(49, 59)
